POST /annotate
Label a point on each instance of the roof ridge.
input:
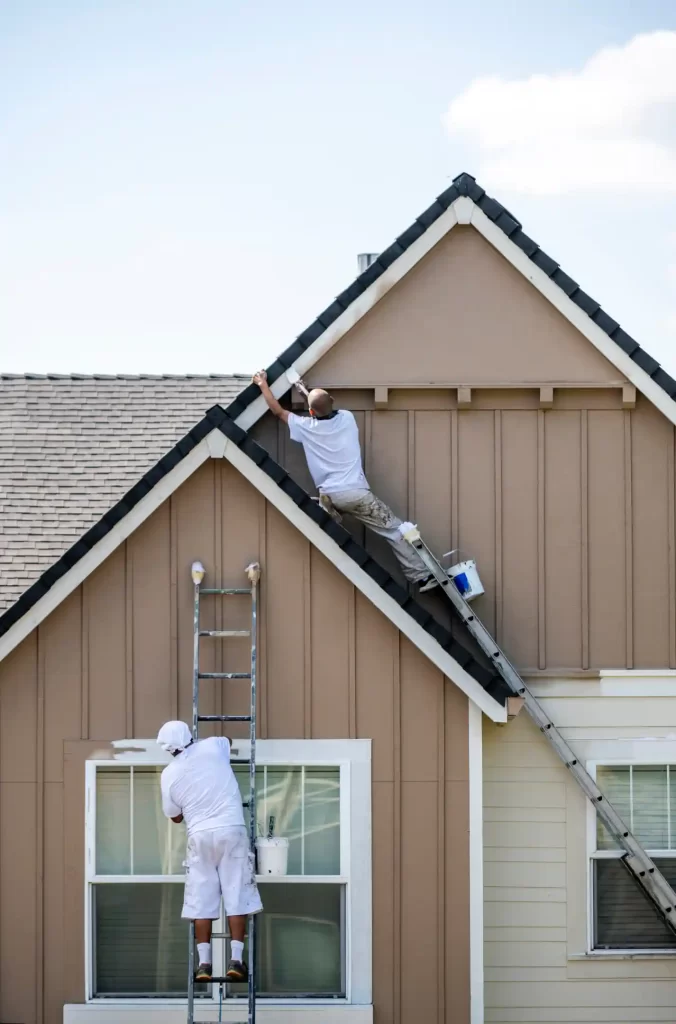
(463, 185)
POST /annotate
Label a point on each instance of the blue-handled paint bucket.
(467, 579)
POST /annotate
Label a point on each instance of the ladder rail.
(253, 573)
(635, 858)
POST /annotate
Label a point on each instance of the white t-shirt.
(200, 784)
(332, 451)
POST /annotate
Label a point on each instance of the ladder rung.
(224, 632)
(227, 590)
(224, 675)
(224, 718)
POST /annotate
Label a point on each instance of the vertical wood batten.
(173, 608)
(352, 662)
(40, 837)
(542, 580)
(396, 838)
(220, 601)
(307, 641)
(455, 497)
(129, 638)
(441, 847)
(261, 640)
(410, 468)
(584, 510)
(84, 668)
(497, 460)
(671, 548)
(628, 543)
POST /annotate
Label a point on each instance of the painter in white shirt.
(332, 450)
(201, 785)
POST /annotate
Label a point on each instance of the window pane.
(159, 844)
(301, 941)
(322, 821)
(141, 942)
(614, 783)
(306, 808)
(641, 795)
(113, 833)
(650, 803)
(624, 916)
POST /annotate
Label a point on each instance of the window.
(315, 928)
(623, 917)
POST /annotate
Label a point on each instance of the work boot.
(203, 973)
(237, 972)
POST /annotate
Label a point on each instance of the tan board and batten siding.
(569, 511)
(115, 661)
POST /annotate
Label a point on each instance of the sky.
(183, 187)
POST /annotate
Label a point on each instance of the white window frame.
(593, 853)
(353, 758)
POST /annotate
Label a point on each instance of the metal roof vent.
(365, 259)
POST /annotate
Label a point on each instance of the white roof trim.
(216, 445)
(465, 211)
(363, 582)
(105, 547)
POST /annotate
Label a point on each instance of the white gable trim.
(216, 445)
(363, 582)
(465, 211)
(105, 547)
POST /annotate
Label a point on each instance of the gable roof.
(480, 683)
(72, 446)
(465, 202)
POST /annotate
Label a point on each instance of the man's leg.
(202, 898)
(203, 941)
(379, 517)
(237, 873)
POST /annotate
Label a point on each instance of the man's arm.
(178, 819)
(261, 379)
(170, 809)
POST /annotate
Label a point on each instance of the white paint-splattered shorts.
(219, 864)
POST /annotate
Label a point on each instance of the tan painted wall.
(569, 512)
(115, 661)
(463, 315)
(535, 865)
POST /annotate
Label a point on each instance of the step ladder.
(253, 573)
(635, 859)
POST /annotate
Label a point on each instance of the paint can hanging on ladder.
(466, 577)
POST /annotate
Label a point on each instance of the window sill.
(607, 954)
(129, 1012)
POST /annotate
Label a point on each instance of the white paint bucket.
(466, 579)
(273, 855)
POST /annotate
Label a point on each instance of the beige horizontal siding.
(535, 875)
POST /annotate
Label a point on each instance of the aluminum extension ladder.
(635, 858)
(253, 573)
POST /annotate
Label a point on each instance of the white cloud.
(610, 125)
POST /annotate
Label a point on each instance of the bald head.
(320, 402)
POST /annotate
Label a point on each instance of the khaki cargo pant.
(374, 513)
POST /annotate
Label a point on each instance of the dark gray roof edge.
(75, 377)
(218, 418)
(463, 185)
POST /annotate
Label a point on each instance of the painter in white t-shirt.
(332, 450)
(201, 785)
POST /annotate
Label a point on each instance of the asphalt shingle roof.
(72, 446)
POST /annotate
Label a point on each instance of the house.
(444, 865)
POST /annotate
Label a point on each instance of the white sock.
(236, 950)
(204, 952)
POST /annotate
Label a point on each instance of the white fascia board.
(476, 865)
(105, 547)
(355, 311)
(157, 1011)
(576, 316)
(363, 582)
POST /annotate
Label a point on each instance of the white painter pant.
(219, 863)
(379, 517)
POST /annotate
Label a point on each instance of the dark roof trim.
(218, 418)
(463, 185)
